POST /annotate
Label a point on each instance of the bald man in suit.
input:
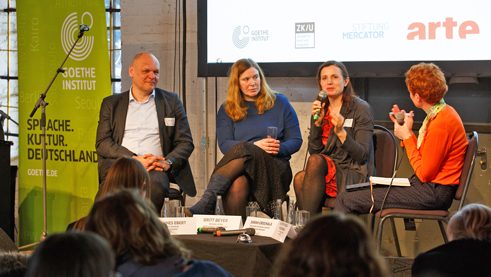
(150, 125)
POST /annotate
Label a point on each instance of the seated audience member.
(436, 154)
(332, 245)
(469, 251)
(13, 264)
(74, 254)
(125, 173)
(254, 167)
(473, 221)
(340, 141)
(142, 244)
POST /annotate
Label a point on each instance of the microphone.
(83, 28)
(210, 230)
(320, 97)
(400, 117)
(249, 231)
(3, 114)
(6, 116)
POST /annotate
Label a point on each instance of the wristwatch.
(169, 162)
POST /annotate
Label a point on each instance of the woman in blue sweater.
(254, 165)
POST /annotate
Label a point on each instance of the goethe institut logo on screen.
(69, 33)
(243, 35)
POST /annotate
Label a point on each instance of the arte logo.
(240, 36)
(444, 29)
(69, 33)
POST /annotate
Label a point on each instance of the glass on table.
(181, 211)
(272, 132)
(301, 218)
(251, 211)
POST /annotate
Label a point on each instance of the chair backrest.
(385, 151)
(467, 168)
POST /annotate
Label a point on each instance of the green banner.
(47, 30)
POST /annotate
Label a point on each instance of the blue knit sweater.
(253, 127)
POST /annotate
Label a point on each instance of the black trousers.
(418, 196)
(159, 188)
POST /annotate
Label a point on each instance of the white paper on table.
(229, 222)
(266, 227)
(180, 225)
(401, 182)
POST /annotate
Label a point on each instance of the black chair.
(385, 156)
(385, 151)
(441, 216)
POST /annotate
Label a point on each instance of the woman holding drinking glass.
(254, 166)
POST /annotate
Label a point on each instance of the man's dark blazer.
(177, 143)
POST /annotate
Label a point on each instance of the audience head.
(126, 173)
(428, 81)
(132, 228)
(348, 91)
(333, 245)
(12, 264)
(473, 221)
(74, 254)
(247, 83)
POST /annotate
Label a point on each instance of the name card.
(229, 222)
(272, 228)
(180, 225)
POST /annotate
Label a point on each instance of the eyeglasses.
(244, 238)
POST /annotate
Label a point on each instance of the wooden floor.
(400, 267)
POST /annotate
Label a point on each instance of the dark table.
(240, 259)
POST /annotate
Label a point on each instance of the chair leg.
(380, 230)
(372, 225)
(442, 229)
(396, 238)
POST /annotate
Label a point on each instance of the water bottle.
(277, 210)
(165, 212)
(291, 212)
(219, 206)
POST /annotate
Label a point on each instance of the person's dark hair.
(12, 264)
(75, 254)
(348, 92)
(473, 221)
(126, 173)
(132, 228)
(332, 245)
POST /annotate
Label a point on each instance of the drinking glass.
(302, 217)
(251, 211)
(180, 211)
(272, 132)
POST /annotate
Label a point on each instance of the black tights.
(310, 184)
(236, 198)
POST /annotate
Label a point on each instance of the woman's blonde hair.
(235, 104)
(473, 221)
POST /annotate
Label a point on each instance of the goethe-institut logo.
(69, 33)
